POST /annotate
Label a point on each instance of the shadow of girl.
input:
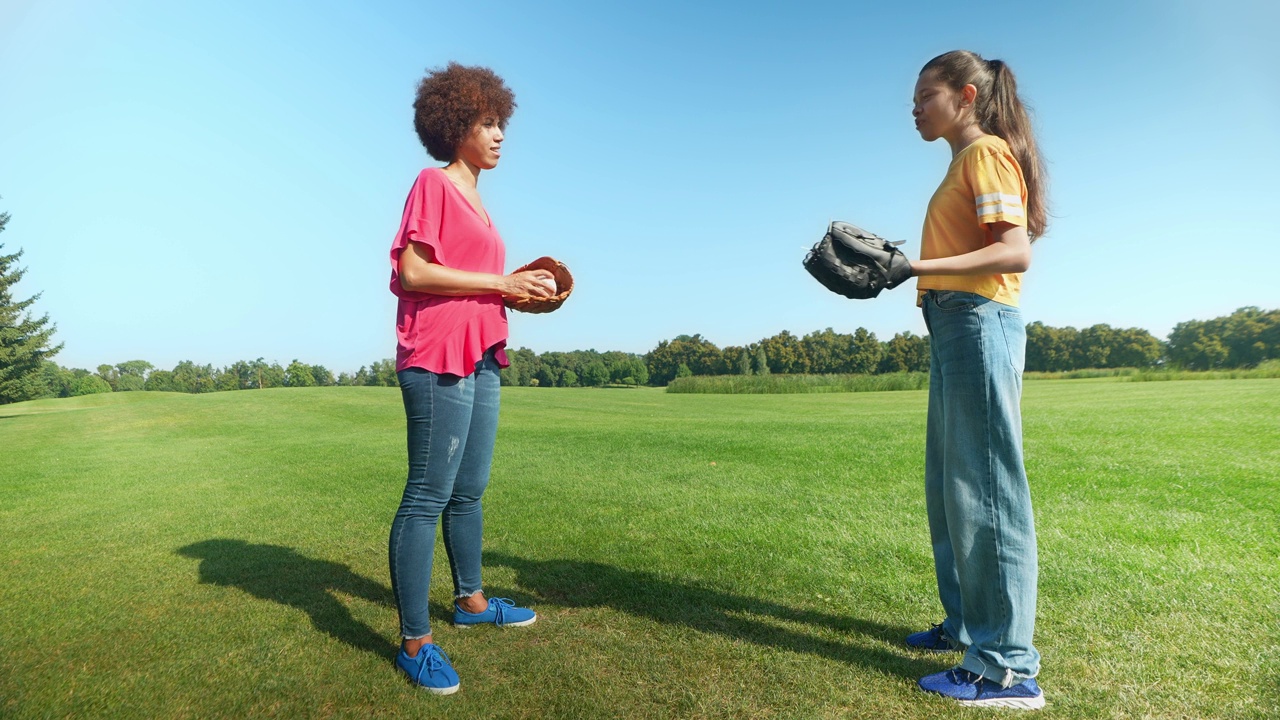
(281, 575)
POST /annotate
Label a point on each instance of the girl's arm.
(419, 272)
(1010, 253)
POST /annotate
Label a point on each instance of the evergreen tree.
(24, 341)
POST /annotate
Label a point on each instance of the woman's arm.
(1010, 253)
(419, 272)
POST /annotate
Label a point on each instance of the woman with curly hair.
(447, 271)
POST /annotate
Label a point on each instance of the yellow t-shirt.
(984, 185)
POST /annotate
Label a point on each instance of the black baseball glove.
(852, 262)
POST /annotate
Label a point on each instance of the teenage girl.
(975, 246)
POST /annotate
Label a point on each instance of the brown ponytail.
(999, 111)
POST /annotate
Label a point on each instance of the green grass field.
(703, 556)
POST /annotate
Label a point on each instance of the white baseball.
(550, 284)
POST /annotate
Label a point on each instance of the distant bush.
(1269, 369)
(792, 384)
(1265, 370)
(1084, 374)
(89, 385)
(789, 384)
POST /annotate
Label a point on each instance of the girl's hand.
(537, 283)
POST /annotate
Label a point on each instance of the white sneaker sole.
(1031, 703)
(440, 691)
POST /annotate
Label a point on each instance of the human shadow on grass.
(282, 575)
(575, 583)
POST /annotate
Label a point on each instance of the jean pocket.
(955, 300)
(1015, 338)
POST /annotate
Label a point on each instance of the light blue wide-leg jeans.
(976, 491)
(452, 423)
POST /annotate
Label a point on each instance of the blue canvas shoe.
(429, 670)
(501, 612)
(933, 640)
(974, 690)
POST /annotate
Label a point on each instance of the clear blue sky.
(221, 181)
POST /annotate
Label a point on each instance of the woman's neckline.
(488, 221)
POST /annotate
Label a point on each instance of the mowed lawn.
(690, 556)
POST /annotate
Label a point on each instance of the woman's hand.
(537, 283)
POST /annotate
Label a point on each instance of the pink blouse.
(436, 332)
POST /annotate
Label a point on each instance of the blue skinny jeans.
(976, 491)
(452, 422)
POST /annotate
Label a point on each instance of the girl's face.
(483, 147)
(940, 111)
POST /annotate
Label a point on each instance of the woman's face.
(483, 147)
(939, 110)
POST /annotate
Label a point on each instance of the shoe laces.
(500, 606)
(1008, 681)
(960, 676)
(432, 660)
(940, 636)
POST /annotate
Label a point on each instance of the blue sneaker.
(933, 640)
(974, 690)
(501, 612)
(429, 669)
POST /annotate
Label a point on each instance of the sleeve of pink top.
(421, 224)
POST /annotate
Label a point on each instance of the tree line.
(1243, 339)
(52, 380)
(821, 352)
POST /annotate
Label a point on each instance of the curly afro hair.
(451, 101)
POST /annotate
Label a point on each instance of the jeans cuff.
(465, 595)
(1007, 677)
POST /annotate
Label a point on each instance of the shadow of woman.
(281, 575)
(574, 583)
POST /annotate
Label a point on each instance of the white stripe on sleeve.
(999, 198)
(993, 204)
(993, 210)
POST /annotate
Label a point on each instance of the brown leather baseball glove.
(531, 304)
